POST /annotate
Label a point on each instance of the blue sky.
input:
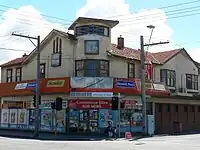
(185, 30)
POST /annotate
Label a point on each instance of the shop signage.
(148, 85)
(31, 85)
(159, 87)
(125, 84)
(91, 82)
(148, 71)
(89, 104)
(91, 94)
(55, 83)
(20, 86)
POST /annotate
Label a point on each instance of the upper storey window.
(92, 29)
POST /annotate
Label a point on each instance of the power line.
(11, 49)
(159, 18)
(163, 7)
(167, 13)
(48, 16)
(44, 15)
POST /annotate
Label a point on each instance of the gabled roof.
(47, 39)
(16, 61)
(83, 20)
(165, 56)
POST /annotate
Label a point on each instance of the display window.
(89, 115)
(131, 115)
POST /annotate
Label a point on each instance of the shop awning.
(50, 85)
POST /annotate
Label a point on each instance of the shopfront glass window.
(131, 116)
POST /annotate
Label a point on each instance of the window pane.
(163, 73)
(168, 73)
(196, 79)
(92, 47)
(80, 73)
(104, 65)
(79, 65)
(103, 73)
(91, 73)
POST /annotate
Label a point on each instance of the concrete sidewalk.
(49, 136)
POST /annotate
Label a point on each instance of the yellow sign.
(55, 83)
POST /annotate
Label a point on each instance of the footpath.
(27, 134)
(48, 135)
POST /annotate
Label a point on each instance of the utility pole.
(37, 120)
(143, 93)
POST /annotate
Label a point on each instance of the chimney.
(24, 55)
(120, 42)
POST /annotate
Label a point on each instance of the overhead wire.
(163, 7)
(25, 21)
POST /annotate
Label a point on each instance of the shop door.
(88, 120)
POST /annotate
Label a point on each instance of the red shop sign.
(89, 104)
(148, 71)
(129, 104)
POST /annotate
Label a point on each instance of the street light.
(143, 94)
(151, 26)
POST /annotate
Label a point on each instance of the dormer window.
(92, 29)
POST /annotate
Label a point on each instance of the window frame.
(43, 75)
(97, 29)
(11, 73)
(85, 64)
(131, 71)
(168, 79)
(18, 76)
(91, 53)
(194, 82)
(57, 45)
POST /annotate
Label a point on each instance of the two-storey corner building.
(86, 70)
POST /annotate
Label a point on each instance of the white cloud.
(131, 25)
(25, 20)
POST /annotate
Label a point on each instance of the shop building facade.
(86, 70)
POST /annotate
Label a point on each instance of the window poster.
(105, 115)
(4, 117)
(46, 119)
(60, 120)
(22, 118)
(73, 120)
(13, 118)
(31, 121)
(93, 120)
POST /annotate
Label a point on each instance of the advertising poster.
(59, 120)
(22, 118)
(46, 120)
(4, 118)
(105, 115)
(31, 121)
(73, 120)
(13, 118)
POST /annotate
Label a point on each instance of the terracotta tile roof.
(162, 57)
(130, 53)
(16, 61)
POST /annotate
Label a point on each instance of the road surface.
(185, 142)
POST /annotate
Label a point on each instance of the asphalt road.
(187, 142)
